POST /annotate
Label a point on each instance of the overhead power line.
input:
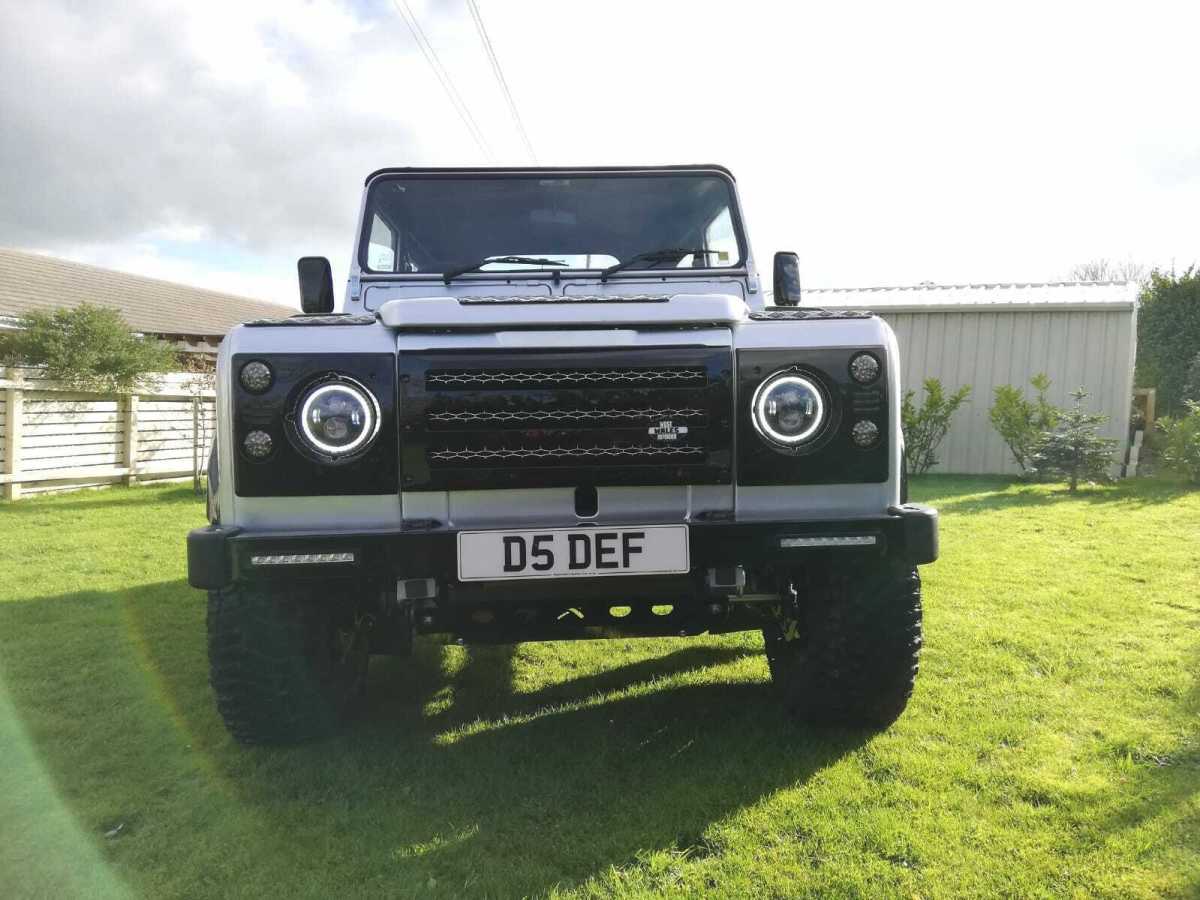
(443, 76)
(491, 53)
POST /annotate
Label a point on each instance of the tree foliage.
(1072, 449)
(87, 347)
(1168, 335)
(1180, 447)
(1021, 421)
(926, 425)
(1191, 382)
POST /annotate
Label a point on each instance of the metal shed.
(985, 335)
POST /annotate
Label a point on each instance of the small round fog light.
(864, 368)
(865, 433)
(256, 376)
(258, 445)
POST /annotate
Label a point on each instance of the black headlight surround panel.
(289, 471)
(832, 457)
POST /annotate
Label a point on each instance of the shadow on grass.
(449, 775)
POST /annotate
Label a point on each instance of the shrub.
(1168, 333)
(87, 347)
(1180, 447)
(1191, 383)
(1021, 422)
(1072, 449)
(926, 425)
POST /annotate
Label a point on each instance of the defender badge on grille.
(666, 430)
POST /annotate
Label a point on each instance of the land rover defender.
(556, 404)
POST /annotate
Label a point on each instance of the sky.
(893, 143)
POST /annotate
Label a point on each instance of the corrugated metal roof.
(30, 281)
(1016, 295)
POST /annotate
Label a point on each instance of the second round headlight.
(788, 410)
(338, 418)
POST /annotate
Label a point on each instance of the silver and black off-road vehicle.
(555, 405)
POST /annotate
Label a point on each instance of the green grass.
(1052, 747)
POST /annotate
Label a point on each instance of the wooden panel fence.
(54, 438)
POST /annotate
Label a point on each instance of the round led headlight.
(338, 418)
(864, 368)
(788, 410)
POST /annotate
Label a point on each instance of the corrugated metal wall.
(988, 346)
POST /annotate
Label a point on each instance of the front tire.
(846, 651)
(285, 666)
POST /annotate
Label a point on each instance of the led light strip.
(857, 540)
(301, 559)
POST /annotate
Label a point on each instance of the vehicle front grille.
(496, 378)
(551, 416)
(552, 453)
(485, 420)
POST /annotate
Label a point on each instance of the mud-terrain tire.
(280, 663)
(848, 654)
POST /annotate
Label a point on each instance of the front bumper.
(219, 556)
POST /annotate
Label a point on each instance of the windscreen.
(437, 224)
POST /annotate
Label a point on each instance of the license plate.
(572, 552)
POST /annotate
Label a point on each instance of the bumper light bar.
(856, 540)
(301, 559)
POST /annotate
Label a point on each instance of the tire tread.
(856, 660)
(264, 667)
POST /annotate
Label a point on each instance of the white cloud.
(886, 143)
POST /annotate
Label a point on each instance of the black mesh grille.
(549, 416)
(492, 420)
(809, 312)
(500, 378)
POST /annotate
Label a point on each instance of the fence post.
(196, 444)
(131, 437)
(14, 412)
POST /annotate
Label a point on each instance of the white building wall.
(990, 345)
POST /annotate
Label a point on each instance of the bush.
(1180, 447)
(1072, 449)
(925, 426)
(87, 347)
(1022, 422)
(1168, 335)
(1191, 383)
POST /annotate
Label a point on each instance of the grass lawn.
(1052, 747)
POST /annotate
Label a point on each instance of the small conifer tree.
(1072, 449)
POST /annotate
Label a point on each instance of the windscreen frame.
(739, 268)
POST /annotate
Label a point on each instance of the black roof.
(533, 170)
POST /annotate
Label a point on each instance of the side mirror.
(787, 279)
(316, 284)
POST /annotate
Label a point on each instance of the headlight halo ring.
(321, 387)
(811, 434)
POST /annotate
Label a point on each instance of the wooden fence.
(54, 438)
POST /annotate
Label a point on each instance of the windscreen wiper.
(666, 254)
(450, 274)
